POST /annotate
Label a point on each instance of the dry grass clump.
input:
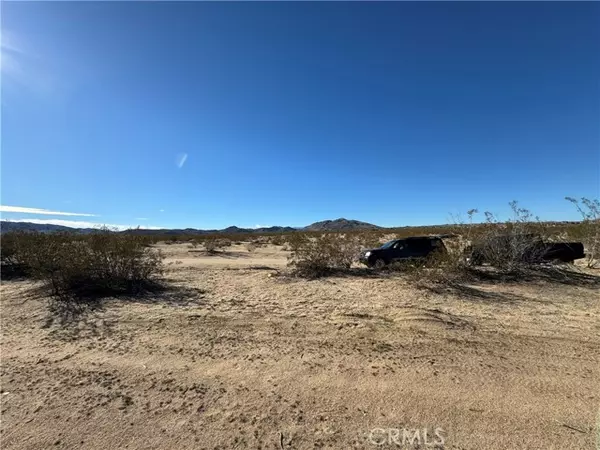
(75, 267)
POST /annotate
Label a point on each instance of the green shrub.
(9, 254)
(213, 243)
(277, 240)
(506, 245)
(588, 230)
(443, 268)
(101, 263)
(514, 247)
(323, 254)
(370, 239)
(8, 248)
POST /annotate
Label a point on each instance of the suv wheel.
(379, 263)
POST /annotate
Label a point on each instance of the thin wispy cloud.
(81, 224)
(161, 210)
(181, 159)
(11, 53)
(25, 210)
(22, 68)
(141, 218)
(9, 42)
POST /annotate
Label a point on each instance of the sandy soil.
(238, 357)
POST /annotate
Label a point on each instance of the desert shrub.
(323, 254)
(211, 244)
(101, 263)
(514, 246)
(296, 240)
(588, 230)
(214, 243)
(251, 246)
(442, 268)
(260, 241)
(8, 248)
(369, 239)
(225, 242)
(510, 245)
(277, 240)
(10, 262)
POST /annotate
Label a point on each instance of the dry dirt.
(238, 357)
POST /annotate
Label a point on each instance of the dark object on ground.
(528, 248)
(417, 247)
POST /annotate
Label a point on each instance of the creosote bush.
(445, 268)
(277, 240)
(75, 266)
(512, 249)
(320, 255)
(9, 255)
(509, 246)
(212, 244)
(588, 230)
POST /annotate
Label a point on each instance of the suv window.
(421, 244)
(398, 245)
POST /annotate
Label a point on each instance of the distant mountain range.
(341, 225)
(326, 225)
(6, 226)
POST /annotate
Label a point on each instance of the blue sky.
(213, 114)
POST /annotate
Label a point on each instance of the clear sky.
(215, 114)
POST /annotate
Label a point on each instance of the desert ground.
(238, 355)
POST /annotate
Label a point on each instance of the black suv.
(403, 249)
